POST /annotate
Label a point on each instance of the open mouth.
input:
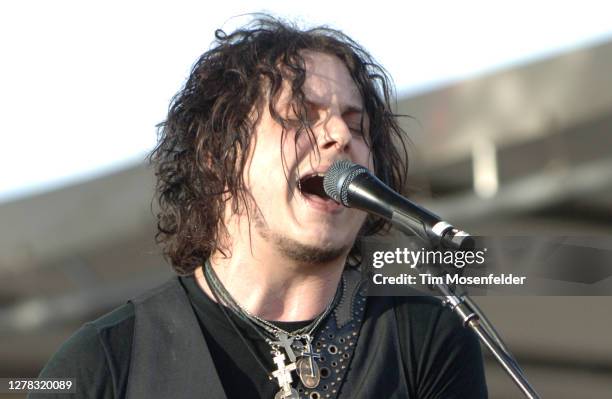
(312, 185)
(311, 188)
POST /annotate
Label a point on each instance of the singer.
(268, 300)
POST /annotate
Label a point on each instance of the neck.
(273, 287)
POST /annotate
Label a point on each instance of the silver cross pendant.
(283, 377)
(307, 368)
(285, 341)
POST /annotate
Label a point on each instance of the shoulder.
(97, 355)
(442, 358)
(423, 314)
(429, 326)
(421, 320)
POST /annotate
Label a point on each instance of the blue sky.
(84, 83)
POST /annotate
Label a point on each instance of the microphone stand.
(471, 316)
(354, 186)
(453, 239)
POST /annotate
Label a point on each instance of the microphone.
(354, 186)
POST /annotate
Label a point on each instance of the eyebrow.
(353, 109)
(350, 109)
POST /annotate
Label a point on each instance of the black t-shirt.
(441, 359)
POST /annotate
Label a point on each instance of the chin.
(315, 249)
(329, 243)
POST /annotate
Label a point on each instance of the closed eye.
(300, 116)
(356, 131)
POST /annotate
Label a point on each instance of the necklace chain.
(277, 337)
(272, 330)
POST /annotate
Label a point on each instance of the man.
(269, 303)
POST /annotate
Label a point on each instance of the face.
(285, 215)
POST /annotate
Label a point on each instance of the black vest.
(170, 358)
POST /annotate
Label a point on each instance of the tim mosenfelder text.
(428, 279)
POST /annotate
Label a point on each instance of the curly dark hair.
(200, 155)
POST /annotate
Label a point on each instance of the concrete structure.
(524, 150)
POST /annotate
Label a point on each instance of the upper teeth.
(318, 174)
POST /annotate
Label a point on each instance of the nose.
(335, 135)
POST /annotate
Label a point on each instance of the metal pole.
(471, 319)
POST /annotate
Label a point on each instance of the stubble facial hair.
(293, 249)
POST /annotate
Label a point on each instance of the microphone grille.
(337, 179)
